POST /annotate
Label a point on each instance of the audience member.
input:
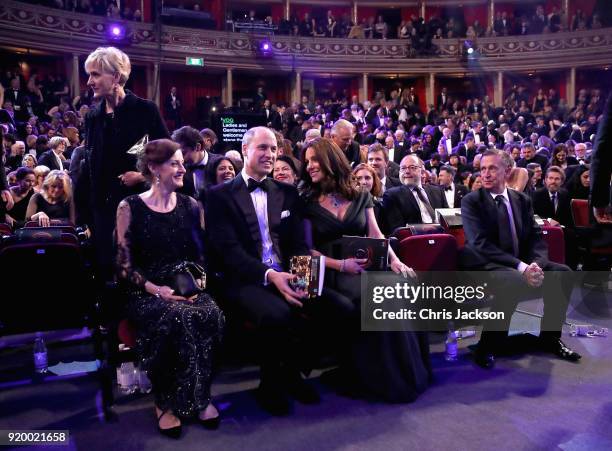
(158, 230)
(494, 242)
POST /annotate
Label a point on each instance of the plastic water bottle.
(41, 362)
(144, 384)
(126, 378)
(451, 346)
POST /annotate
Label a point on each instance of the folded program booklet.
(309, 274)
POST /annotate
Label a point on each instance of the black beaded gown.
(393, 366)
(176, 341)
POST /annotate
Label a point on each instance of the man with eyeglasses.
(411, 203)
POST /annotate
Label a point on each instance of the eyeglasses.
(409, 168)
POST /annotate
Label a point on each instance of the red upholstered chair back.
(5, 229)
(436, 252)
(127, 333)
(580, 212)
(556, 243)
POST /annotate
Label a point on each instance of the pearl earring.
(157, 179)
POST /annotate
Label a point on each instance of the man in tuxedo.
(173, 106)
(53, 158)
(452, 191)
(449, 140)
(400, 150)
(378, 158)
(480, 134)
(411, 203)
(552, 202)
(197, 159)
(273, 119)
(342, 135)
(18, 99)
(443, 99)
(470, 150)
(255, 224)
(502, 237)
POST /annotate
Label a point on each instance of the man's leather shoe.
(557, 347)
(484, 359)
(274, 400)
(302, 391)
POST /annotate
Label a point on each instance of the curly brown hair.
(337, 175)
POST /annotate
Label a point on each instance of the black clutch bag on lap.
(185, 278)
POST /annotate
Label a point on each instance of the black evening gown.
(176, 341)
(393, 366)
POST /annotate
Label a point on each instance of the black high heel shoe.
(173, 432)
(211, 424)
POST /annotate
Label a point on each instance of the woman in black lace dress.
(393, 366)
(177, 337)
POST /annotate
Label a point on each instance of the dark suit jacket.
(98, 190)
(543, 206)
(188, 183)
(401, 150)
(460, 192)
(272, 119)
(353, 153)
(401, 208)
(172, 113)
(48, 159)
(540, 159)
(479, 214)
(233, 230)
(19, 104)
(601, 161)
(392, 182)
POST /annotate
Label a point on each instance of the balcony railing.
(39, 27)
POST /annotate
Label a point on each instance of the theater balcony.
(228, 56)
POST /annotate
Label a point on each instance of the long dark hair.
(574, 185)
(211, 170)
(337, 175)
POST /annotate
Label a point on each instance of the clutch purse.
(185, 278)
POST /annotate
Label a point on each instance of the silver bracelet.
(158, 292)
(342, 265)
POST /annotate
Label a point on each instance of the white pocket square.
(285, 214)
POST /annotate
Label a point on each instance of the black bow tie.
(448, 188)
(193, 167)
(253, 184)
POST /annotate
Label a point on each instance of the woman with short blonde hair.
(110, 60)
(114, 125)
(54, 202)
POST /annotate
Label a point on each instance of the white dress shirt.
(425, 216)
(450, 195)
(59, 161)
(449, 145)
(260, 202)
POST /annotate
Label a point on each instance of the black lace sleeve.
(125, 270)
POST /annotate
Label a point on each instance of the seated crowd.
(538, 19)
(343, 168)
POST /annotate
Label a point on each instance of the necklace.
(334, 200)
